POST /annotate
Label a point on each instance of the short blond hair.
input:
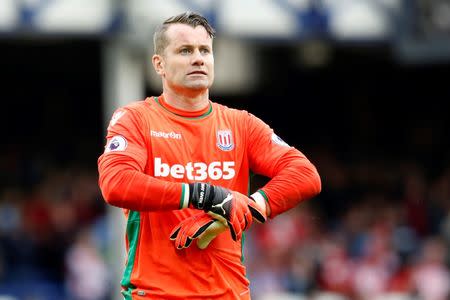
(192, 19)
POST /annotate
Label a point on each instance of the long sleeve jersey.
(151, 150)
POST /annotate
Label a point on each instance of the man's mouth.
(197, 73)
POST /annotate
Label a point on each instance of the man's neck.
(193, 101)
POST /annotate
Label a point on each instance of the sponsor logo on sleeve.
(277, 140)
(116, 143)
(225, 140)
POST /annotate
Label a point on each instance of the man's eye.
(204, 51)
(185, 51)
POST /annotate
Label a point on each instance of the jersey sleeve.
(121, 168)
(293, 178)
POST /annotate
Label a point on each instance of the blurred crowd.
(379, 229)
(53, 235)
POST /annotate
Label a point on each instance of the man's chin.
(198, 85)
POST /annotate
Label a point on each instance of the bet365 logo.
(198, 171)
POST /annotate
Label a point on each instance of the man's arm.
(123, 185)
(296, 179)
(121, 168)
(293, 178)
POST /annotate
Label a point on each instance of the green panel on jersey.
(127, 294)
(183, 192)
(242, 247)
(133, 226)
(250, 177)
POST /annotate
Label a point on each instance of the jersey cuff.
(261, 199)
(260, 193)
(184, 200)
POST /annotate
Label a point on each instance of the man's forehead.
(185, 34)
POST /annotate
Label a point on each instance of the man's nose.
(197, 58)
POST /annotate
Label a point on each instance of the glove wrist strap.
(200, 195)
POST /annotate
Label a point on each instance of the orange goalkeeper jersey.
(151, 149)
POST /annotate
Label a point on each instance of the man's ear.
(158, 64)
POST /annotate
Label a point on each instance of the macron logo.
(165, 135)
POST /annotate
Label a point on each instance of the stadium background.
(359, 86)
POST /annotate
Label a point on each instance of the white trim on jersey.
(185, 200)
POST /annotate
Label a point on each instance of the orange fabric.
(166, 147)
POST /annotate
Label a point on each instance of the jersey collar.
(198, 114)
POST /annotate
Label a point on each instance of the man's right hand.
(230, 207)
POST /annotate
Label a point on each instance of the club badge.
(225, 140)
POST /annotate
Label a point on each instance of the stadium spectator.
(87, 276)
(430, 275)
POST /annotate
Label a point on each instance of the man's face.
(187, 62)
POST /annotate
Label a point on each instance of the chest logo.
(225, 140)
(165, 135)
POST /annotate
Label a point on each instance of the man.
(179, 164)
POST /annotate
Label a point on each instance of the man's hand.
(190, 228)
(216, 228)
(201, 226)
(210, 234)
(204, 228)
(229, 207)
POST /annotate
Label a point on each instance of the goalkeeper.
(178, 165)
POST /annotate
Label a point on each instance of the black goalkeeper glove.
(230, 207)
